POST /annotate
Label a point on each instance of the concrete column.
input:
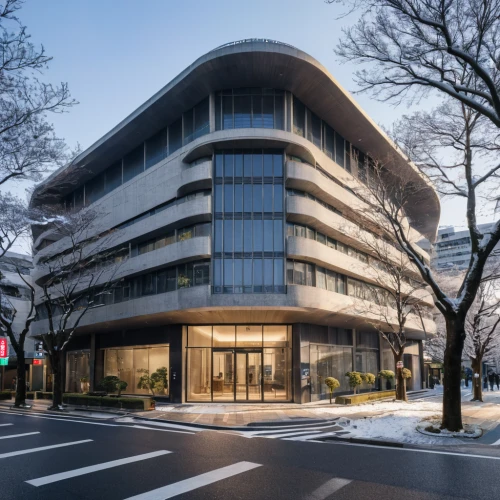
(211, 109)
(92, 362)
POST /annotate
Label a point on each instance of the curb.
(373, 442)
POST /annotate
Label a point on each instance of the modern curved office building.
(233, 193)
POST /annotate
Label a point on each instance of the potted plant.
(355, 380)
(406, 375)
(368, 378)
(388, 375)
(332, 384)
(84, 384)
(183, 281)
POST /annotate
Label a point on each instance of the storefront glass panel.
(77, 367)
(145, 369)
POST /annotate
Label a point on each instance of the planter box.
(5, 395)
(121, 403)
(355, 399)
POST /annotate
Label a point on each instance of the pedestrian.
(497, 380)
(491, 378)
(485, 383)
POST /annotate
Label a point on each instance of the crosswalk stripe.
(287, 434)
(307, 436)
(328, 488)
(10, 436)
(196, 482)
(43, 448)
(94, 468)
(280, 430)
(5, 425)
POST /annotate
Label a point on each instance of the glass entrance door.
(223, 376)
(248, 376)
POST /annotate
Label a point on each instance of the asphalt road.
(77, 458)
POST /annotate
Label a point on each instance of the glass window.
(218, 198)
(257, 197)
(339, 151)
(238, 275)
(148, 284)
(268, 111)
(257, 111)
(257, 236)
(238, 236)
(199, 374)
(329, 141)
(268, 198)
(247, 236)
(268, 236)
(289, 272)
(201, 118)
(238, 198)
(331, 281)
(228, 236)
(257, 275)
(299, 113)
(341, 285)
(275, 336)
(171, 279)
(188, 123)
(217, 273)
(94, 189)
(228, 165)
(268, 165)
(238, 165)
(278, 276)
(227, 112)
(278, 111)
(224, 336)
(300, 231)
(242, 111)
(218, 236)
(321, 238)
(133, 163)
(247, 197)
(203, 229)
(316, 130)
(320, 278)
(79, 197)
(201, 274)
(186, 233)
(249, 336)
(219, 165)
(278, 198)
(175, 136)
(278, 235)
(347, 157)
(247, 165)
(247, 275)
(299, 274)
(113, 176)
(278, 165)
(228, 198)
(257, 164)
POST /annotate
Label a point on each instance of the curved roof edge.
(252, 62)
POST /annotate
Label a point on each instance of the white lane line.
(196, 482)
(328, 488)
(94, 468)
(43, 448)
(10, 436)
(161, 430)
(5, 425)
(495, 443)
(306, 437)
(280, 430)
(156, 423)
(287, 434)
(393, 448)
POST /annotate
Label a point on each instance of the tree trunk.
(477, 382)
(400, 381)
(57, 360)
(21, 380)
(452, 395)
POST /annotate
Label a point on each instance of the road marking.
(5, 425)
(282, 430)
(161, 430)
(466, 455)
(42, 448)
(328, 488)
(10, 436)
(94, 468)
(196, 482)
(495, 443)
(307, 436)
(287, 434)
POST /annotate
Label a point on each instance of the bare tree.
(8, 314)
(395, 303)
(482, 329)
(28, 144)
(13, 221)
(75, 280)
(413, 47)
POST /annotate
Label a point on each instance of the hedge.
(5, 395)
(108, 402)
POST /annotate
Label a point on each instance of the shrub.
(121, 385)
(108, 383)
(387, 374)
(406, 373)
(5, 395)
(332, 384)
(104, 401)
(368, 378)
(355, 380)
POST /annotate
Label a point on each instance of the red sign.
(38, 362)
(4, 348)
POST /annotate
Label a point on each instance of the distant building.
(15, 296)
(452, 249)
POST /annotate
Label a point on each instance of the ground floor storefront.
(234, 363)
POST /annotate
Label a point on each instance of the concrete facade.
(186, 179)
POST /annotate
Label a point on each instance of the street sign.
(39, 354)
(4, 348)
(39, 347)
(37, 362)
(4, 361)
(399, 364)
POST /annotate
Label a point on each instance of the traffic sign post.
(4, 361)
(399, 364)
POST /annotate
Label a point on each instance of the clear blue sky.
(115, 54)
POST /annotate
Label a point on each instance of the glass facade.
(77, 366)
(134, 365)
(248, 242)
(239, 363)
